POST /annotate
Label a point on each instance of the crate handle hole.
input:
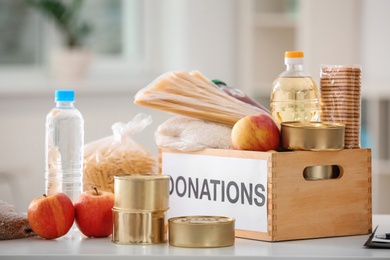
(322, 172)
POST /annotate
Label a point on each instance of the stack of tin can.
(140, 206)
(341, 99)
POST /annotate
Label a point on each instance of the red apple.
(51, 216)
(93, 210)
(255, 133)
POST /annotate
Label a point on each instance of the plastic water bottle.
(64, 147)
(295, 95)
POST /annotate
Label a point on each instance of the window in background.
(27, 37)
(106, 20)
(20, 34)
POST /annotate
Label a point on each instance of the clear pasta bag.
(117, 154)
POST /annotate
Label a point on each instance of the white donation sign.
(218, 186)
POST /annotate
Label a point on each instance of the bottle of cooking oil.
(295, 95)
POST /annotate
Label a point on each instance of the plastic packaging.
(238, 94)
(193, 95)
(188, 134)
(341, 99)
(117, 154)
(295, 95)
(64, 143)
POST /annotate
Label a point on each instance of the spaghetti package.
(193, 95)
(117, 154)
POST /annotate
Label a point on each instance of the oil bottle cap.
(293, 57)
(293, 54)
(64, 95)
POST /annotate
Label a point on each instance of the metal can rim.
(141, 176)
(125, 210)
(227, 220)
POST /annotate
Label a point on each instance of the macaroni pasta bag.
(117, 154)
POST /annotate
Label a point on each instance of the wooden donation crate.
(267, 192)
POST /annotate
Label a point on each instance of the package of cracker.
(340, 87)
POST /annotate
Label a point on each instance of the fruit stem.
(97, 192)
(44, 195)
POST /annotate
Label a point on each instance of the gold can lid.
(139, 192)
(201, 231)
(141, 177)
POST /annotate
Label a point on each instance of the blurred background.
(120, 46)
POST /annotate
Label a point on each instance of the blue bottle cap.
(64, 95)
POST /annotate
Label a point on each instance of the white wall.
(375, 42)
(200, 35)
(329, 32)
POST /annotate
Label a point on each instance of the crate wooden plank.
(298, 203)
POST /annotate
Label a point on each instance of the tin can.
(139, 227)
(201, 231)
(140, 206)
(141, 192)
(312, 136)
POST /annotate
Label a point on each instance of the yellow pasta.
(110, 156)
(100, 173)
(193, 95)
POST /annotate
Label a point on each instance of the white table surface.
(77, 246)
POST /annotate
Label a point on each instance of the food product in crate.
(294, 94)
(255, 133)
(13, 224)
(188, 134)
(193, 95)
(117, 154)
(312, 136)
(238, 94)
(340, 99)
